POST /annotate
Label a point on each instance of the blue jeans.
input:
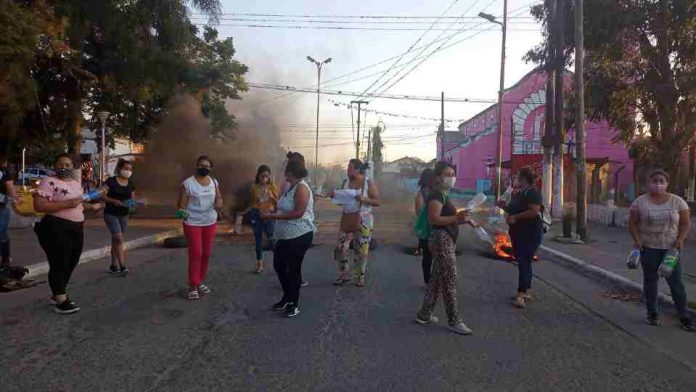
(650, 260)
(524, 249)
(4, 237)
(260, 226)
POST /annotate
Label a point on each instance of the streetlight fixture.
(499, 168)
(319, 64)
(102, 115)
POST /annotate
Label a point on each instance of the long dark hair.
(359, 165)
(262, 169)
(426, 178)
(121, 163)
(441, 166)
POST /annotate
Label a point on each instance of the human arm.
(531, 198)
(183, 199)
(419, 202)
(634, 227)
(683, 228)
(372, 198)
(299, 209)
(43, 205)
(218, 197)
(435, 209)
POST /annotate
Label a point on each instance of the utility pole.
(316, 145)
(548, 141)
(442, 126)
(559, 111)
(580, 122)
(357, 138)
(103, 115)
(501, 93)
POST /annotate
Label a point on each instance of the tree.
(128, 58)
(640, 72)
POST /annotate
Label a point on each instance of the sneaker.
(292, 311)
(193, 295)
(114, 270)
(460, 328)
(519, 302)
(304, 283)
(124, 269)
(280, 306)
(431, 320)
(67, 307)
(688, 325)
(203, 289)
(52, 301)
(652, 320)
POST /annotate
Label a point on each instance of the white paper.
(346, 199)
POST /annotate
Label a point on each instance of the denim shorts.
(116, 224)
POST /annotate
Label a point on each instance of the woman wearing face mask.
(294, 231)
(444, 220)
(199, 202)
(60, 231)
(120, 190)
(525, 229)
(660, 221)
(7, 195)
(263, 199)
(424, 183)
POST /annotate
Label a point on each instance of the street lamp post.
(499, 168)
(316, 143)
(102, 115)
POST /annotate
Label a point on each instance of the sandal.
(204, 289)
(417, 252)
(360, 282)
(193, 295)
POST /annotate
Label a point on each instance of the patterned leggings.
(443, 278)
(361, 247)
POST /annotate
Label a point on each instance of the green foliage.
(640, 72)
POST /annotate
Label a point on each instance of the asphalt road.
(138, 333)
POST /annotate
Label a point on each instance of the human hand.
(118, 203)
(97, 206)
(501, 203)
(679, 245)
(511, 219)
(637, 245)
(462, 217)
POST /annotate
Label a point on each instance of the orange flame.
(502, 246)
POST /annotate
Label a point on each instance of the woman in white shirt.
(199, 200)
(294, 231)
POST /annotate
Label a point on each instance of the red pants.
(200, 240)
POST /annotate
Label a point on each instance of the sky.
(469, 69)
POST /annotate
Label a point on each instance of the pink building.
(473, 148)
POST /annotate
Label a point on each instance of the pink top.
(55, 189)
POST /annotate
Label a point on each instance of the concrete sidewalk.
(605, 256)
(27, 252)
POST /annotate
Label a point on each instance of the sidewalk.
(26, 250)
(608, 249)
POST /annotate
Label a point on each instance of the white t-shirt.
(201, 202)
(659, 223)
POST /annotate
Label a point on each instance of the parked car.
(32, 175)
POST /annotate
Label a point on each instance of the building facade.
(473, 148)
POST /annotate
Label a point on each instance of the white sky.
(470, 69)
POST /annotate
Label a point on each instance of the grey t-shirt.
(659, 223)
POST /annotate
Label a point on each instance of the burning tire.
(175, 242)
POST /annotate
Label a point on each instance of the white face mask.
(126, 173)
(449, 182)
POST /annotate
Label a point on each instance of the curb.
(604, 276)
(39, 269)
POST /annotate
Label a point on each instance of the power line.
(358, 22)
(354, 94)
(334, 16)
(413, 45)
(266, 26)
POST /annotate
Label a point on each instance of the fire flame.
(502, 247)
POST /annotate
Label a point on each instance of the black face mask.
(202, 171)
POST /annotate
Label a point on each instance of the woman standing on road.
(199, 202)
(294, 231)
(660, 221)
(357, 223)
(263, 199)
(60, 231)
(120, 190)
(525, 229)
(7, 196)
(444, 220)
(424, 183)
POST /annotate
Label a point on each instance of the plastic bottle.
(507, 195)
(93, 195)
(238, 223)
(476, 202)
(633, 259)
(181, 214)
(483, 234)
(668, 263)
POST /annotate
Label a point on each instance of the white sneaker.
(432, 320)
(460, 328)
